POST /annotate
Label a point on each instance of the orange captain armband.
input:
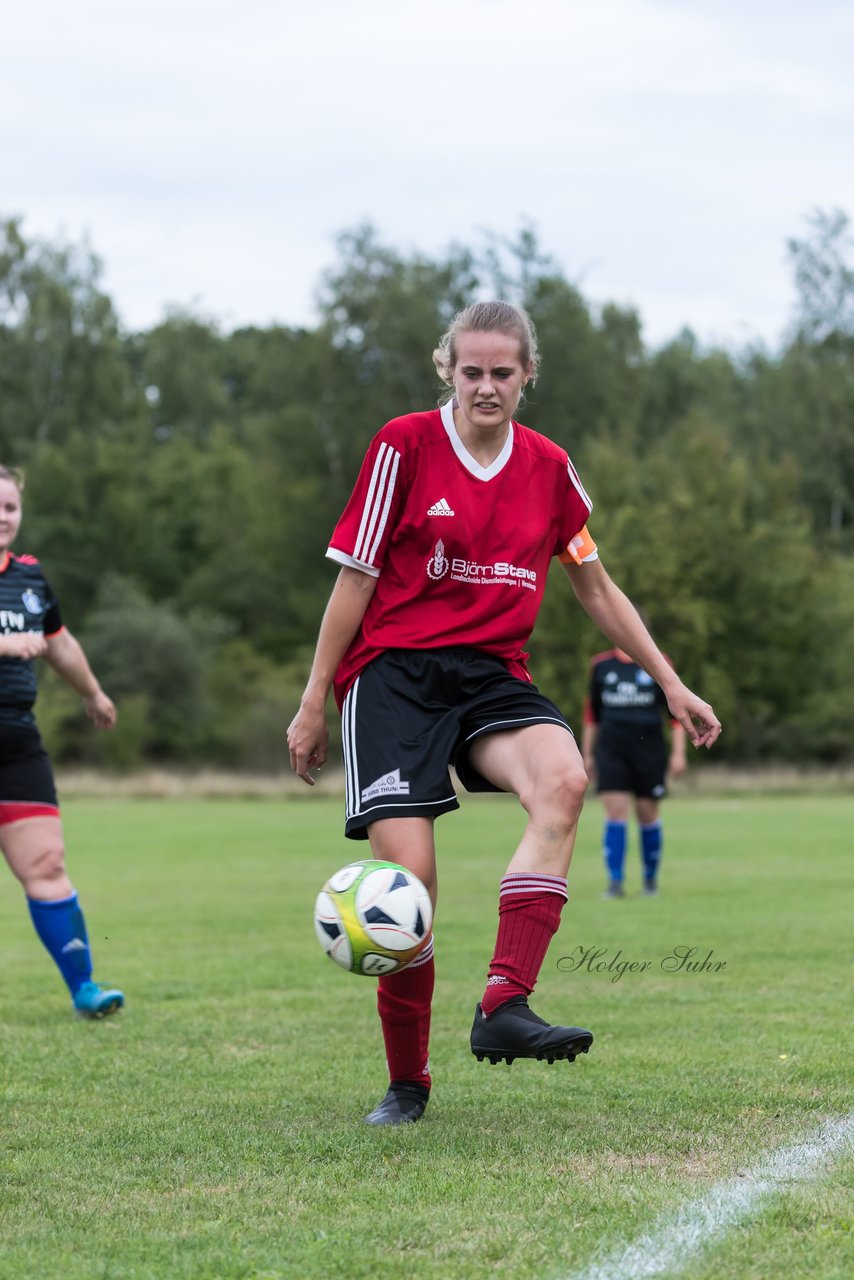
(582, 547)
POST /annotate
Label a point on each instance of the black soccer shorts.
(632, 759)
(413, 712)
(27, 788)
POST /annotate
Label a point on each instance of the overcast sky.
(211, 150)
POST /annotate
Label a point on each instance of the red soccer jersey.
(461, 551)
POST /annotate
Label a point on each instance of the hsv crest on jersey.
(31, 602)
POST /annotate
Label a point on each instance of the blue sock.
(614, 849)
(62, 929)
(652, 842)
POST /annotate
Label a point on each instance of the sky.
(211, 152)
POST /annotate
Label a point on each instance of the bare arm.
(616, 616)
(308, 733)
(589, 733)
(68, 660)
(677, 764)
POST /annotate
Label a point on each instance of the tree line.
(182, 483)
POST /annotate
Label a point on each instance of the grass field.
(213, 1131)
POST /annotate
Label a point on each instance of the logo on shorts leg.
(437, 565)
(390, 784)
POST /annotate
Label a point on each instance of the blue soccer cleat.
(92, 1001)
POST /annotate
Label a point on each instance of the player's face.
(488, 379)
(10, 512)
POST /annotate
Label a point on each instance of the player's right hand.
(24, 644)
(308, 742)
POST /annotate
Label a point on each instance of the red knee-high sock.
(404, 1001)
(529, 908)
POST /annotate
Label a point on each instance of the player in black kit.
(623, 742)
(30, 828)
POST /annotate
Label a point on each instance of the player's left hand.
(101, 710)
(696, 716)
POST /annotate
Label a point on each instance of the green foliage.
(61, 714)
(824, 275)
(821, 725)
(182, 485)
(159, 654)
(685, 523)
(255, 701)
(61, 359)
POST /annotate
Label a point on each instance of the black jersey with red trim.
(27, 603)
(621, 693)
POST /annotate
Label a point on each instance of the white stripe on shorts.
(351, 760)
(497, 725)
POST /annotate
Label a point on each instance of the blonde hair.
(13, 474)
(488, 317)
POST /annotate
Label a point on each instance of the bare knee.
(408, 841)
(556, 793)
(43, 873)
(571, 789)
(647, 810)
(616, 805)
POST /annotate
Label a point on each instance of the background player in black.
(624, 745)
(30, 828)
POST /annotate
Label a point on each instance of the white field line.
(671, 1244)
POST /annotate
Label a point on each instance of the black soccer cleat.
(403, 1104)
(514, 1031)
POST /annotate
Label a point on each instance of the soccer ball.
(373, 917)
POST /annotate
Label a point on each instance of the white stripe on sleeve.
(377, 503)
(578, 486)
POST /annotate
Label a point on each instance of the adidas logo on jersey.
(440, 508)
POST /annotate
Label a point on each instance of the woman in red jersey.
(30, 827)
(444, 549)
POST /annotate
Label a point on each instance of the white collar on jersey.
(471, 464)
